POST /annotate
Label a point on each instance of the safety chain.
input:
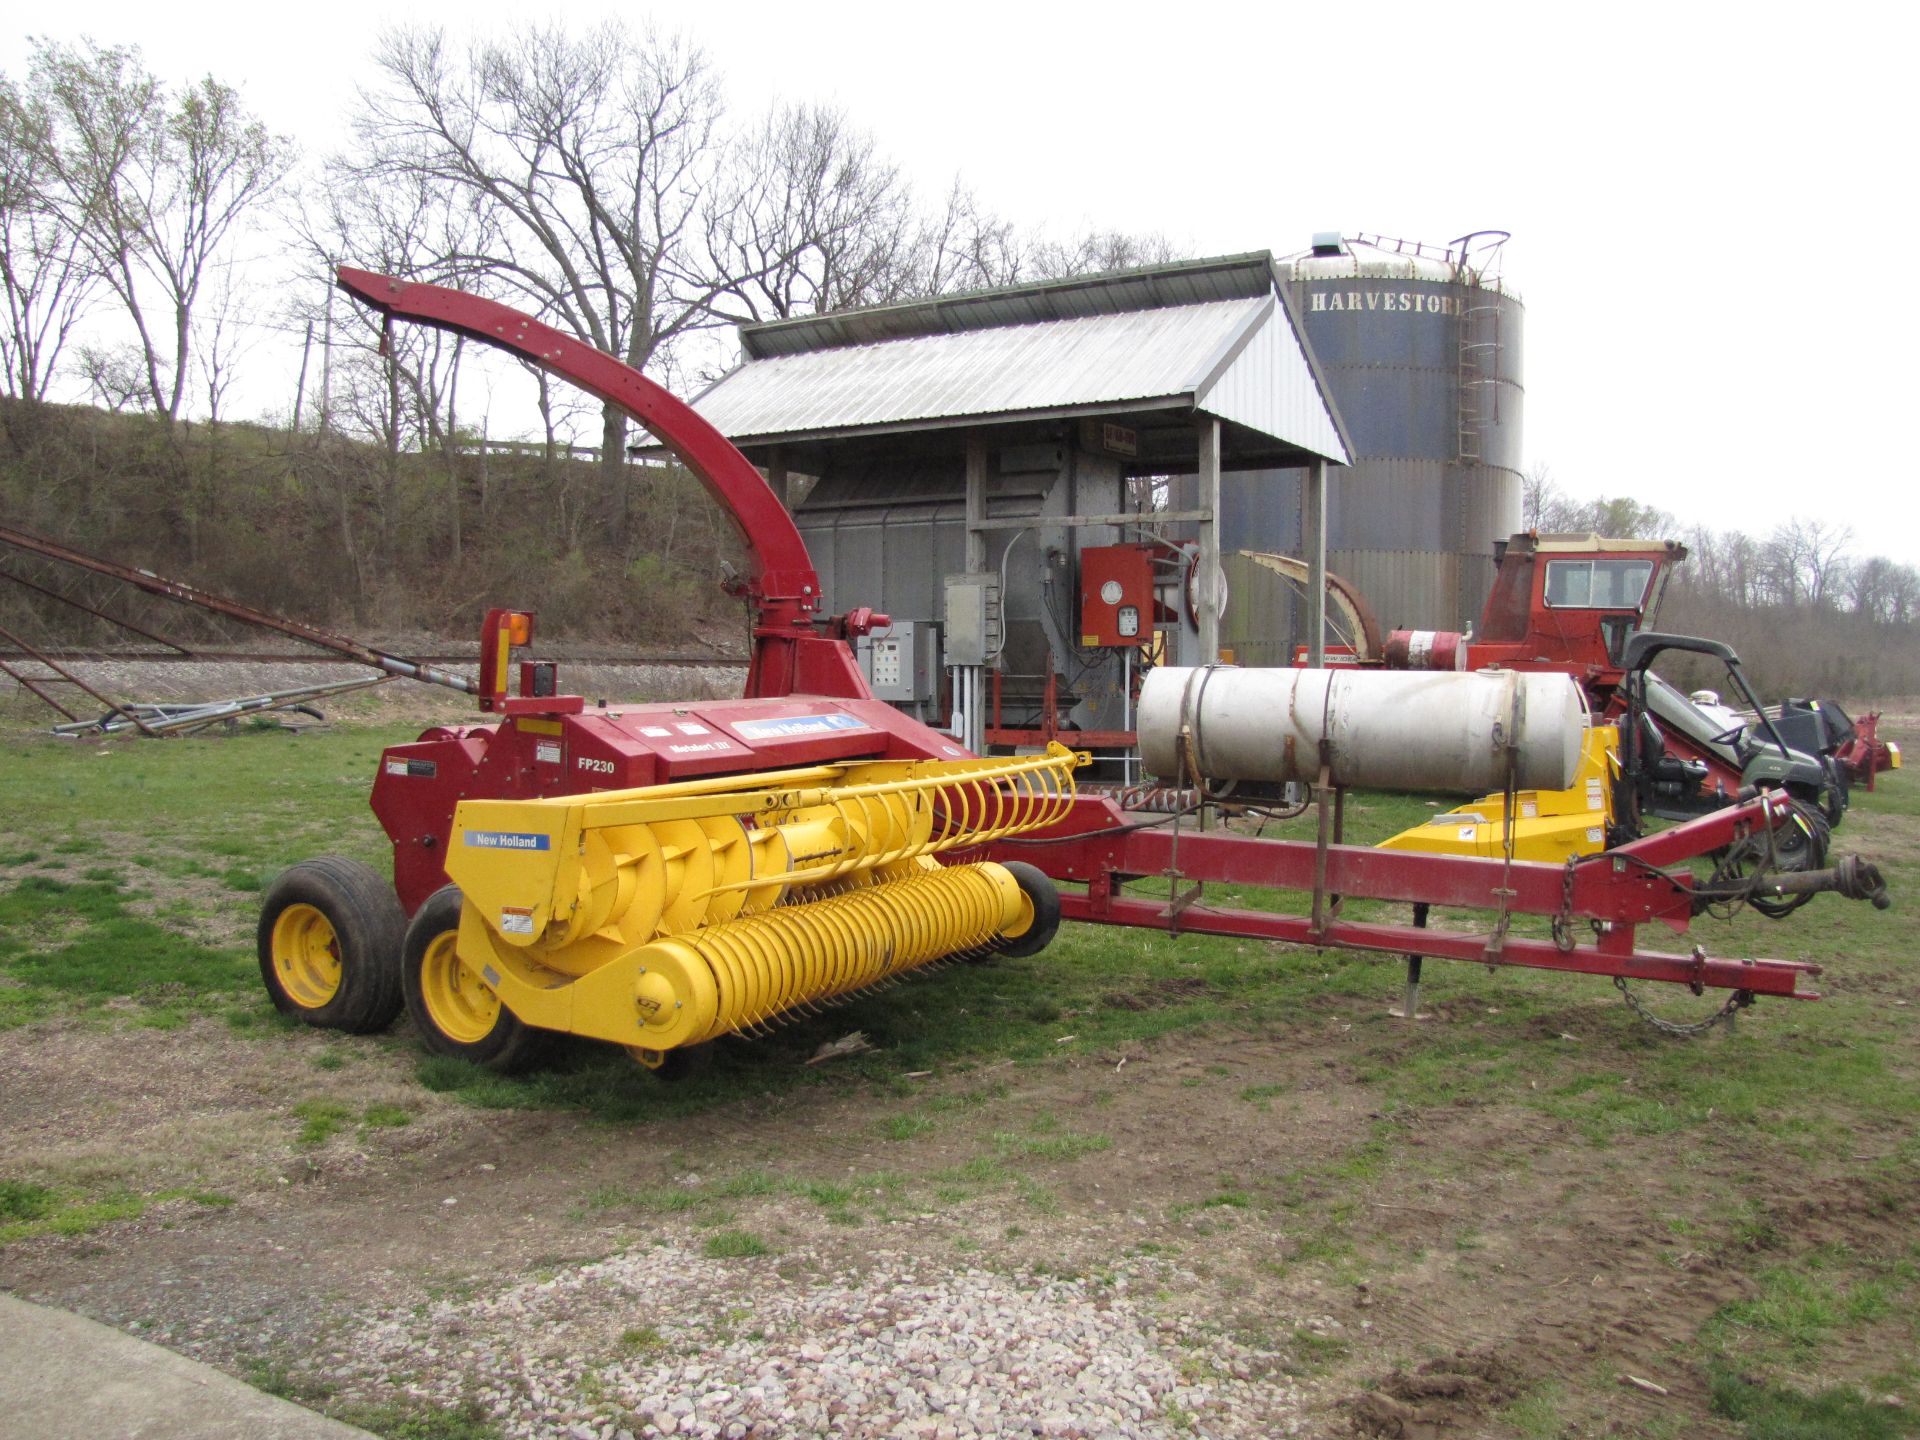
(1737, 1001)
(1563, 941)
(1563, 922)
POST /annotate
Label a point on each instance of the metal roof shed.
(1159, 347)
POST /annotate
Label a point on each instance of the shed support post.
(1316, 547)
(976, 502)
(777, 478)
(1207, 592)
(970, 681)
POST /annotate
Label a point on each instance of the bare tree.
(808, 218)
(1870, 586)
(1546, 507)
(1745, 567)
(220, 342)
(1094, 252)
(1549, 509)
(562, 407)
(1783, 557)
(432, 382)
(1538, 490)
(156, 189)
(963, 246)
(115, 375)
(1903, 596)
(1827, 562)
(588, 156)
(400, 223)
(43, 267)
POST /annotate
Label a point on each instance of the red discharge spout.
(781, 584)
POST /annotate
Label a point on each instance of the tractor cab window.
(1597, 584)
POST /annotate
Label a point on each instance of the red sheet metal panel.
(1116, 596)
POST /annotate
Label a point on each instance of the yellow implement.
(1549, 825)
(661, 917)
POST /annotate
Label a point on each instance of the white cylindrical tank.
(1387, 729)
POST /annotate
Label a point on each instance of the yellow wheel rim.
(461, 1005)
(306, 956)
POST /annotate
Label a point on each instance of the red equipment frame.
(790, 655)
(1617, 891)
(806, 703)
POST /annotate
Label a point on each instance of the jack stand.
(1411, 1008)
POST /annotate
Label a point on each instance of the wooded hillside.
(350, 535)
(1807, 614)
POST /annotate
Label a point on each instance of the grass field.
(1780, 1157)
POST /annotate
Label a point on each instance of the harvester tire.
(1046, 912)
(1835, 799)
(329, 942)
(455, 1013)
(1801, 844)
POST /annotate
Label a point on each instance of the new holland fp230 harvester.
(655, 876)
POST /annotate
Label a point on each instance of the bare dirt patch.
(1503, 1256)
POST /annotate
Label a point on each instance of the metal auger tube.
(740, 974)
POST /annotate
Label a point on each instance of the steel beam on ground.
(73, 680)
(26, 683)
(205, 600)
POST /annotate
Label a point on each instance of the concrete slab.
(64, 1377)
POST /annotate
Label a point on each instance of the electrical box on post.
(1116, 596)
(902, 663)
(972, 618)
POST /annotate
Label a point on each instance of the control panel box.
(902, 663)
(972, 619)
(1116, 596)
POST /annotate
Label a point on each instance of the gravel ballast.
(663, 1341)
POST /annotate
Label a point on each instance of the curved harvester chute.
(1348, 615)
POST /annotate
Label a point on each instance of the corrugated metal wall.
(1399, 583)
(887, 541)
(1259, 509)
(1260, 620)
(1426, 375)
(1267, 388)
(887, 533)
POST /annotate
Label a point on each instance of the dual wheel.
(336, 952)
(329, 942)
(456, 1012)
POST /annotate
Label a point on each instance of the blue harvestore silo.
(1420, 346)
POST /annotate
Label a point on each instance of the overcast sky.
(1711, 206)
